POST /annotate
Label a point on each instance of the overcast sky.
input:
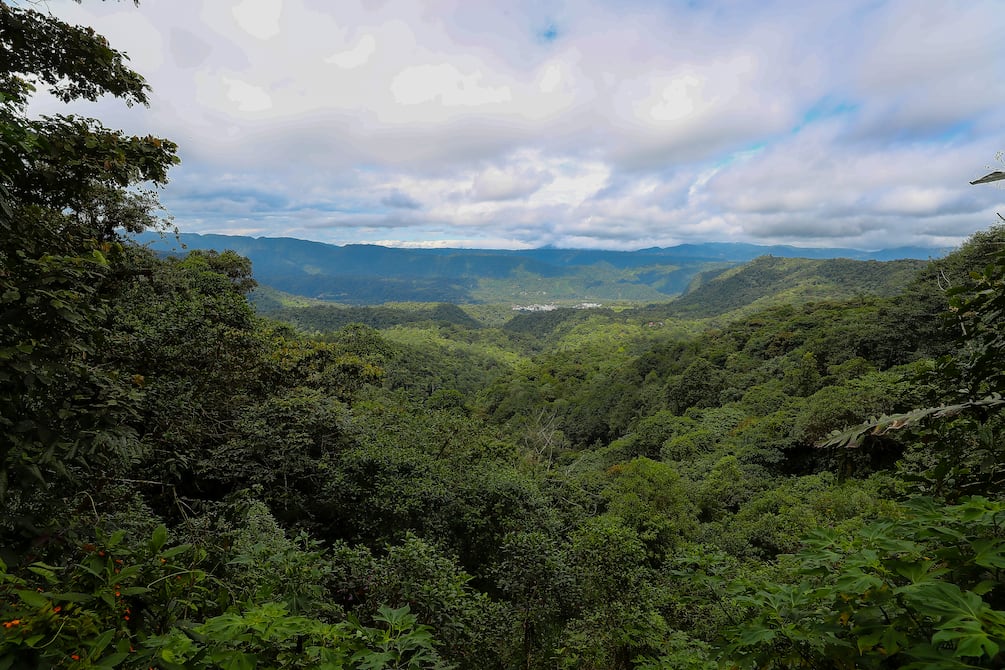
(579, 124)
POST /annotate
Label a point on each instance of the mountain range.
(370, 274)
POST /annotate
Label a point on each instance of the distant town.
(550, 308)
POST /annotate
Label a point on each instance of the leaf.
(174, 551)
(158, 538)
(756, 635)
(942, 599)
(968, 639)
(867, 642)
(112, 660)
(983, 587)
(915, 571)
(32, 598)
(856, 436)
(993, 176)
(71, 597)
(44, 571)
(234, 660)
(989, 553)
(102, 641)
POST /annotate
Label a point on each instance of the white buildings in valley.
(551, 308)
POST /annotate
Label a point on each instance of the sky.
(579, 124)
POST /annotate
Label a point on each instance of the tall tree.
(68, 185)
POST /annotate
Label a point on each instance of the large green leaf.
(856, 437)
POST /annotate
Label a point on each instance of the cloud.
(357, 56)
(187, 49)
(925, 70)
(247, 97)
(445, 85)
(259, 18)
(399, 200)
(587, 124)
(496, 183)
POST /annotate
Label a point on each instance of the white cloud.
(917, 200)
(550, 78)
(481, 243)
(639, 124)
(357, 56)
(677, 100)
(247, 97)
(259, 18)
(505, 184)
(444, 84)
(574, 182)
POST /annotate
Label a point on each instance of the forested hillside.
(186, 483)
(370, 274)
(769, 280)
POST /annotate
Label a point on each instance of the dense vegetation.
(770, 280)
(360, 274)
(187, 484)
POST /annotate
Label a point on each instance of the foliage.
(187, 484)
(95, 607)
(323, 317)
(979, 309)
(648, 497)
(371, 275)
(66, 184)
(967, 458)
(770, 280)
(536, 577)
(922, 591)
(854, 437)
(267, 636)
(130, 605)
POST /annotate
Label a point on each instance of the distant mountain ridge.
(370, 274)
(771, 280)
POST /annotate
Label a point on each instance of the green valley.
(368, 274)
(797, 463)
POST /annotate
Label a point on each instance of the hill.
(770, 280)
(370, 274)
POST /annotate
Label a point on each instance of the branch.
(853, 438)
(994, 176)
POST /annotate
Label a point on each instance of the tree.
(61, 161)
(67, 185)
(698, 386)
(649, 497)
(969, 382)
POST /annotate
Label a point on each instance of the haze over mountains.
(370, 274)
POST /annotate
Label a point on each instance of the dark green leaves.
(920, 590)
(73, 61)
